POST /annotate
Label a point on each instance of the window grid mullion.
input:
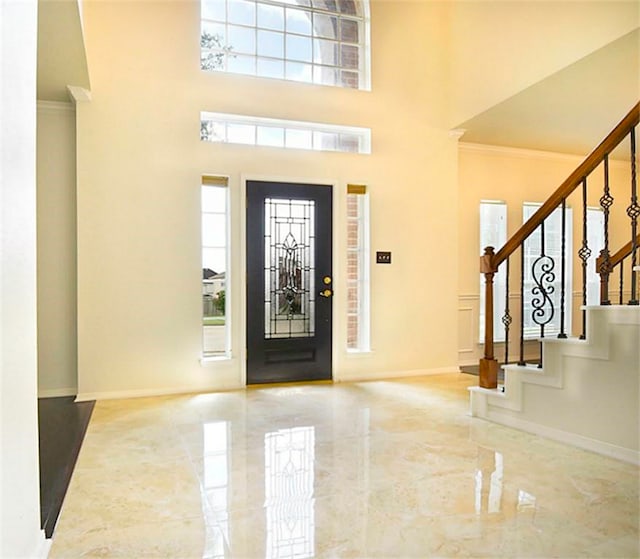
(310, 11)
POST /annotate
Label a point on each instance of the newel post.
(488, 364)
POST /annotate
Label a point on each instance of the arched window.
(314, 41)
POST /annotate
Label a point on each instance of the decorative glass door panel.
(289, 283)
(289, 298)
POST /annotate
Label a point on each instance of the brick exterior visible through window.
(357, 270)
(321, 42)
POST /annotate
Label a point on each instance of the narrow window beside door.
(215, 292)
(358, 338)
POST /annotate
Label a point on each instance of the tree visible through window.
(315, 41)
(215, 257)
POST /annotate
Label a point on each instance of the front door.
(289, 282)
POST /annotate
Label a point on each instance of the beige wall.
(139, 165)
(56, 200)
(516, 176)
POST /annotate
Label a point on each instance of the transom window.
(314, 41)
(290, 134)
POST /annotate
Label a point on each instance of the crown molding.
(78, 94)
(55, 106)
(523, 153)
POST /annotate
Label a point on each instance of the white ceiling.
(572, 110)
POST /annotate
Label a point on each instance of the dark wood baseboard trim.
(62, 426)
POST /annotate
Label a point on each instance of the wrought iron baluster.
(543, 277)
(521, 361)
(506, 318)
(606, 201)
(633, 211)
(621, 296)
(584, 253)
(563, 250)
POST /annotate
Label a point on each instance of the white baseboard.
(354, 377)
(41, 547)
(56, 392)
(586, 443)
(151, 392)
(468, 362)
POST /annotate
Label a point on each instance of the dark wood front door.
(289, 282)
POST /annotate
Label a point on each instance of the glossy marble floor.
(372, 469)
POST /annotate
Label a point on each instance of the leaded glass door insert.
(289, 501)
(289, 282)
(289, 299)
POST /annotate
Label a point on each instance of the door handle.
(326, 293)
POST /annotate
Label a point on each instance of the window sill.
(359, 352)
(212, 359)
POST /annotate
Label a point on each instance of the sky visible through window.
(258, 131)
(214, 228)
(324, 41)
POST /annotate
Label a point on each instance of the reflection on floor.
(61, 424)
(370, 469)
(475, 370)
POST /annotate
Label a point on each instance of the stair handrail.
(491, 260)
(618, 256)
(594, 159)
(606, 264)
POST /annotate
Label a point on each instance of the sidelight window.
(215, 258)
(358, 338)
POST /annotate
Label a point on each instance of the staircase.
(587, 392)
(582, 390)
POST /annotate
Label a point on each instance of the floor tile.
(371, 469)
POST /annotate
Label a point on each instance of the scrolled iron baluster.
(543, 278)
(584, 254)
(621, 294)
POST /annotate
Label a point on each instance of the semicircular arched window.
(315, 41)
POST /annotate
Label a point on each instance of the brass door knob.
(326, 293)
